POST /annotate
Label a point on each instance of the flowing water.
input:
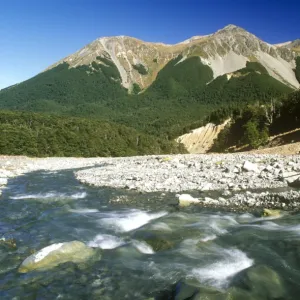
(147, 244)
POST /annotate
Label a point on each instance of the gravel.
(243, 179)
(180, 173)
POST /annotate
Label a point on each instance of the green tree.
(297, 70)
(251, 134)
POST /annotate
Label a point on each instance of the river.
(148, 244)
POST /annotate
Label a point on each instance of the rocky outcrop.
(200, 140)
(56, 254)
(225, 51)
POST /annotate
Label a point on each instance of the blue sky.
(35, 34)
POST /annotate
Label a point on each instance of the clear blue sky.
(36, 33)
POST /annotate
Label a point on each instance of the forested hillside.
(47, 135)
(297, 70)
(253, 124)
(183, 93)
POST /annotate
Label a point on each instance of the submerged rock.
(160, 244)
(191, 289)
(262, 282)
(8, 242)
(56, 254)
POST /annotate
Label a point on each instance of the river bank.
(141, 245)
(242, 180)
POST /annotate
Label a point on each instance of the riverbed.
(148, 244)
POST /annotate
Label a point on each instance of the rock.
(226, 193)
(251, 202)
(206, 187)
(250, 167)
(289, 177)
(236, 170)
(186, 200)
(56, 254)
(295, 183)
(269, 169)
(272, 212)
(3, 181)
(192, 289)
(9, 242)
(262, 282)
(211, 201)
(159, 243)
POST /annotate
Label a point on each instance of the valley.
(117, 181)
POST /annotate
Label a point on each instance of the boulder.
(186, 200)
(192, 289)
(158, 243)
(250, 167)
(289, 177)
(262, 282)
(55, 255)
(295, 183)
(272, 212)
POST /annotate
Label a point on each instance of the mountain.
(225, 51)
(292, 45)
(156, 88)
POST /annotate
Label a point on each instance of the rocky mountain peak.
(225, 51)
(232, 27)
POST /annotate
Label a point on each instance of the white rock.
(269, 169)
(236, 170)
(186, 200)
(3, 181)
(211, 201)
(56, 254)
(250, 167)
(290, 177)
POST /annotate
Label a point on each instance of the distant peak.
(231, 27)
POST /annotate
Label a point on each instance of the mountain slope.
(225, 51)
(156, 88)
(252, 124)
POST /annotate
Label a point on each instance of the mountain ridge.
(225, 51)
(160, 90)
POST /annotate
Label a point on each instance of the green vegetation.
(141, 69)
(297, 70)
(62, 88)
(248, 126)
(253, 135)
(135, 89)
(252, 124)
(182, 95)
(254, 67)
(43, 135)
(288, 114)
